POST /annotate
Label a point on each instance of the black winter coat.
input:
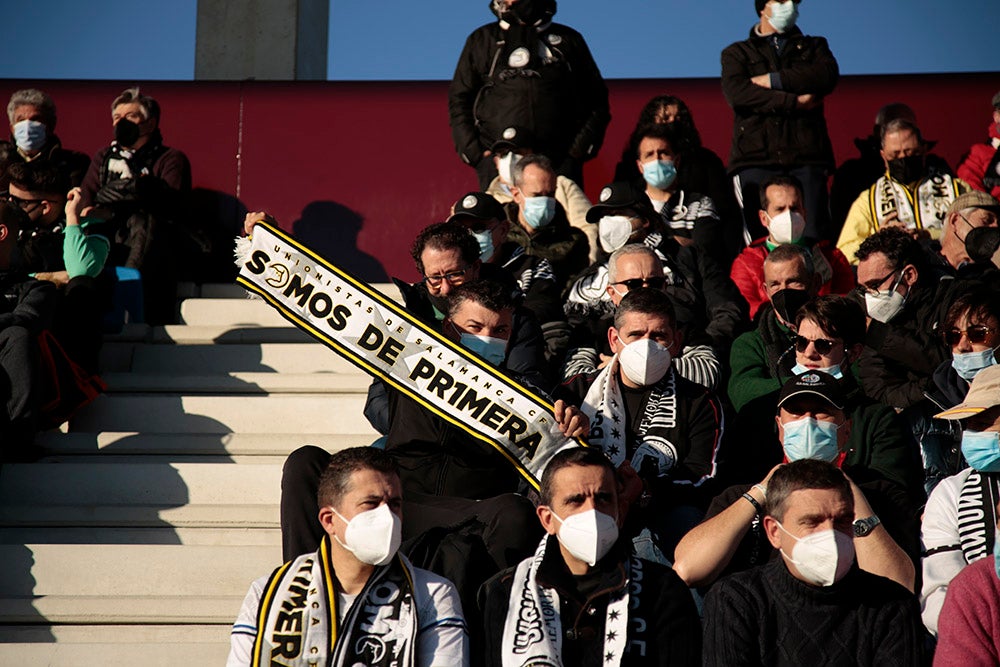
(768, 127)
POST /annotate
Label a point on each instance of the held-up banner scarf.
(383, 339)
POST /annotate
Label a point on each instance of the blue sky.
(406, 40)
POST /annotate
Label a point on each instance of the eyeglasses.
(17, 201)
(822, 345)
(977, 333)
(873, 286)
(656, 282)
(452, 278)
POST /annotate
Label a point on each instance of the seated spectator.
(783, 218)
(60, 247)
(969, 627)
(483, 215)
(972, 331)
(960, 520)
(762, 359)
(699, 169)
(816, 420)
(32, 116)
(27, 307)
(906, 302)
(708, 303)
(980, 167)
(814, 605)
(588, 600)
(516, 142)
(661, 430)
(538, 222)
(312, 603)
(689, 216)
(969, 211)
(913, 194)
(639, 266)
(140, 186)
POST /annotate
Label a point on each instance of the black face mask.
(907, 169)
(786, 303)
(126, 133)
(981, 243)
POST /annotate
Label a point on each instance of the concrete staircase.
(135, 539)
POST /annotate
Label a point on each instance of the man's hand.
(892, 220)
(605, 360)
(58, 278)
(762, 80)
(808, 101)
(572, 422)
(253, 218)
(74, 202)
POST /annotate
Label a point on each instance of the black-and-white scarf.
(532, 633)
(934, 194)
(605, 408)
(977, 502)
(298, 618)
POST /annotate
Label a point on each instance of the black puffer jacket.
(768, 126)
(562, 99)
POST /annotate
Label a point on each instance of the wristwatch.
(864, 526)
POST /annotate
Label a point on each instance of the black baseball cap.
(514, 138)
(477, 205)
(619, 195)
(814, 383)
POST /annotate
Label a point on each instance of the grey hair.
(630, 249)
(36, 98)
(900, 125)
(540, 161)
(149, 107)
(789, 251)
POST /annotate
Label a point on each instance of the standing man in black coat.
(775, 81)
(526, 70)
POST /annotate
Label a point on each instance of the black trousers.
(18, 385)
(511, 529)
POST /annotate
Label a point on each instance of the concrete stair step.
(236, 291)
(72, 583)
(239, 383)
(21, 535)
(231, 312)
(156, 494)
(235, 358)
(181, 334)
(307, 414)
(103, 645)
(111, 443)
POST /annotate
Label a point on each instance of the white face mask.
(644, 361)
(588, 535)
(786, 227)
(883, 306)
(823, 558)
(614, 232)
(506, 166)
(373, 536)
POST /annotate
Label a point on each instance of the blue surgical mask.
(968, 364)
(982, 450)
(539, 211)
(486, 249)
(29, 135)
(783, 15)
(659, 173)
(489, 348)
(834, 370)
(809, 438)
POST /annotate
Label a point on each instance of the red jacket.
(973, 166)
(748, 272)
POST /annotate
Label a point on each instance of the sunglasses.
(822, 345)
(977, 333)
(656, 282)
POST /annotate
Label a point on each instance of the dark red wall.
(356, 169)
